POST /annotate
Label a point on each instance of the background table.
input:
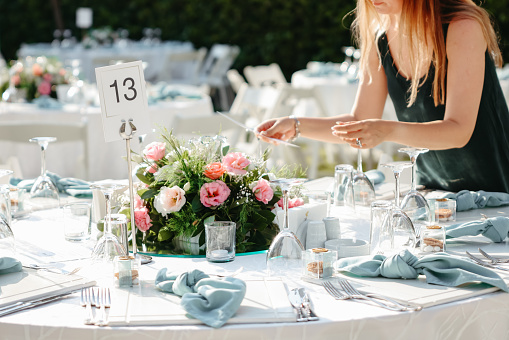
(483, 317)
(105, 159)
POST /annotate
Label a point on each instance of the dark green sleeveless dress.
(482, 164)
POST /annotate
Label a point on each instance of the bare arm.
(465, 75)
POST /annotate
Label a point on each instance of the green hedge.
(288, 32)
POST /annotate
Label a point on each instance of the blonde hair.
(421, 21)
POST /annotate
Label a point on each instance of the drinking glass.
(285, 252)
(363, 189)
(343, 186)
(7, 245)
(414, 204)
(397, 226)
(44, 194)
(108, 246)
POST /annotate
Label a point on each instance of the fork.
(484, 264)
(493, 260)
(103, 302)
(349, 288)
(339, 295)
(87, 295)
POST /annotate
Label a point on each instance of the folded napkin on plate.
(375, 176)
(71, 186)
(212, 301)
(9, 265)
(439, 268)
(468, 200)
(494, 228)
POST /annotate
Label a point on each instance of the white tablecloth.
(483, 317)
(105, 159)
(153, 55)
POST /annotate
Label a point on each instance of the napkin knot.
(400, 266)
(178, 283)
(9, 265)
(468, 200)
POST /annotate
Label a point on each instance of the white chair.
(236, 80)
(213, 73)
(22, 131)
(183, 67)
(264, 75)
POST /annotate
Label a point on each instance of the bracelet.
(297, 130)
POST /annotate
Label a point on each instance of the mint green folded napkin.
(9, 265)
(468, 200)
(69, 185)
(375, 176)
(439, 268)
(494, 228)
(212, 301)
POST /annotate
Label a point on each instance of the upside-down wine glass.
(285, 251)
(401, 229)
(7, 245)
(44, 193)
(108, 245)
(414, 204)
(363, 189)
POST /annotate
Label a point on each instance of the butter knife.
(310, 314)
(30, 304)
(296, 301)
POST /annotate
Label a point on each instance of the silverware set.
(493, 262)
(299, 299)
(347, 292)
(101, 299)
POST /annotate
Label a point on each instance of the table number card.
(123, 97)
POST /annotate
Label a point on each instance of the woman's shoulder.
(466, 32)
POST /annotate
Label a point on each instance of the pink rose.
(214, 170)
(142, 219)
(44, 88)
(16, 79)
(138, 202)
(294, 202)
(262, 191)
(214, 194)
(48, 77)
(236, 162)
(155, 151)
(169, 200)
(37, 70)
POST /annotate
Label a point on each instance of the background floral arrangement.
(186, 184)
(36, 76)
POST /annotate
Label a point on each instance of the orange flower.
(214, 170)
(37, 70)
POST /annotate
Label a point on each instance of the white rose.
(169, 200)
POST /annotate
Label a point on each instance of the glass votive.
(220, 241)
(318, 263)
(445, 210)
(432, 239)
(126, 271)
(77, 222)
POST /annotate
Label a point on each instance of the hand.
(281, 128)
(369, 132)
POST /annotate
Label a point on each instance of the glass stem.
(43, 161)
(414, 172)
(396, 194)
(359, 161)
(107, 197)
(286, 224)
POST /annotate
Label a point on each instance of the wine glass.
(397, 226)
(285, 251)
(414, 204)
(108, 246)
(7, 245)
(44, 193)
(363, 189)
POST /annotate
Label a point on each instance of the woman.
(436, 59)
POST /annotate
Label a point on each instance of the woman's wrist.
(296, 127)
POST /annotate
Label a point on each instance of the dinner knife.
(296, 301)
(30, 304)
(310, 314)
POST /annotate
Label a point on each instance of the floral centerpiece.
(36, 77)
(186, 184)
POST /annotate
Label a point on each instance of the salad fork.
(484, 264)
(493, 260)
(86, 300)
